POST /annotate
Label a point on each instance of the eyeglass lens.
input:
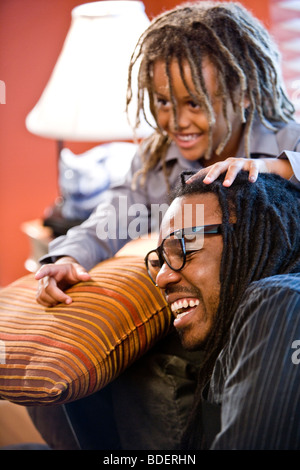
(173, 251)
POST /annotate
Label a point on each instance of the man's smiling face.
(194, 292)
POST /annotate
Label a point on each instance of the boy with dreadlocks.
(233, 286)
(210, 73)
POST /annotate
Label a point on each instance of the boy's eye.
(193, 104)
(161, 102)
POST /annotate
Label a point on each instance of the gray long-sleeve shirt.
(124, 211)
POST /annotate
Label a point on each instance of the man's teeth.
(184, 303)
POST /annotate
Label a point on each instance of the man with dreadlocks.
(210, 73)
(233, 285)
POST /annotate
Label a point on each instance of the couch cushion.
(60, 354)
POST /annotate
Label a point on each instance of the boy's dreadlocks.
(264, 241)
(240, 48)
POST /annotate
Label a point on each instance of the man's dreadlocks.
(264, 241)
(240, 48)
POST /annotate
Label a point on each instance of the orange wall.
(31, 36)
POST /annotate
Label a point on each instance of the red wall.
(32, 33)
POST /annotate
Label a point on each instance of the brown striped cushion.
(60, 354)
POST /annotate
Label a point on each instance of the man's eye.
(190, 253)
(155, 264)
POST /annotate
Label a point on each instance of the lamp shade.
(85, 98)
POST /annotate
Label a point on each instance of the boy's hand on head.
(232, 166)
(55, 278)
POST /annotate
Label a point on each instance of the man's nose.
(167, 276)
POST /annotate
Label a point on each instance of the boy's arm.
(279, 166)
(232, 166)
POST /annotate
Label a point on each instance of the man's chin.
(189, 341)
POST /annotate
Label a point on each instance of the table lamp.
(85, 97)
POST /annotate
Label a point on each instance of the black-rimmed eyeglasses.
(175, 248)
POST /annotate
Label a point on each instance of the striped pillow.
(60, 354)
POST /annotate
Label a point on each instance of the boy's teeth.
(184, 303)
(187, 137)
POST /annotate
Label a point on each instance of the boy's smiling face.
(192, 131)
